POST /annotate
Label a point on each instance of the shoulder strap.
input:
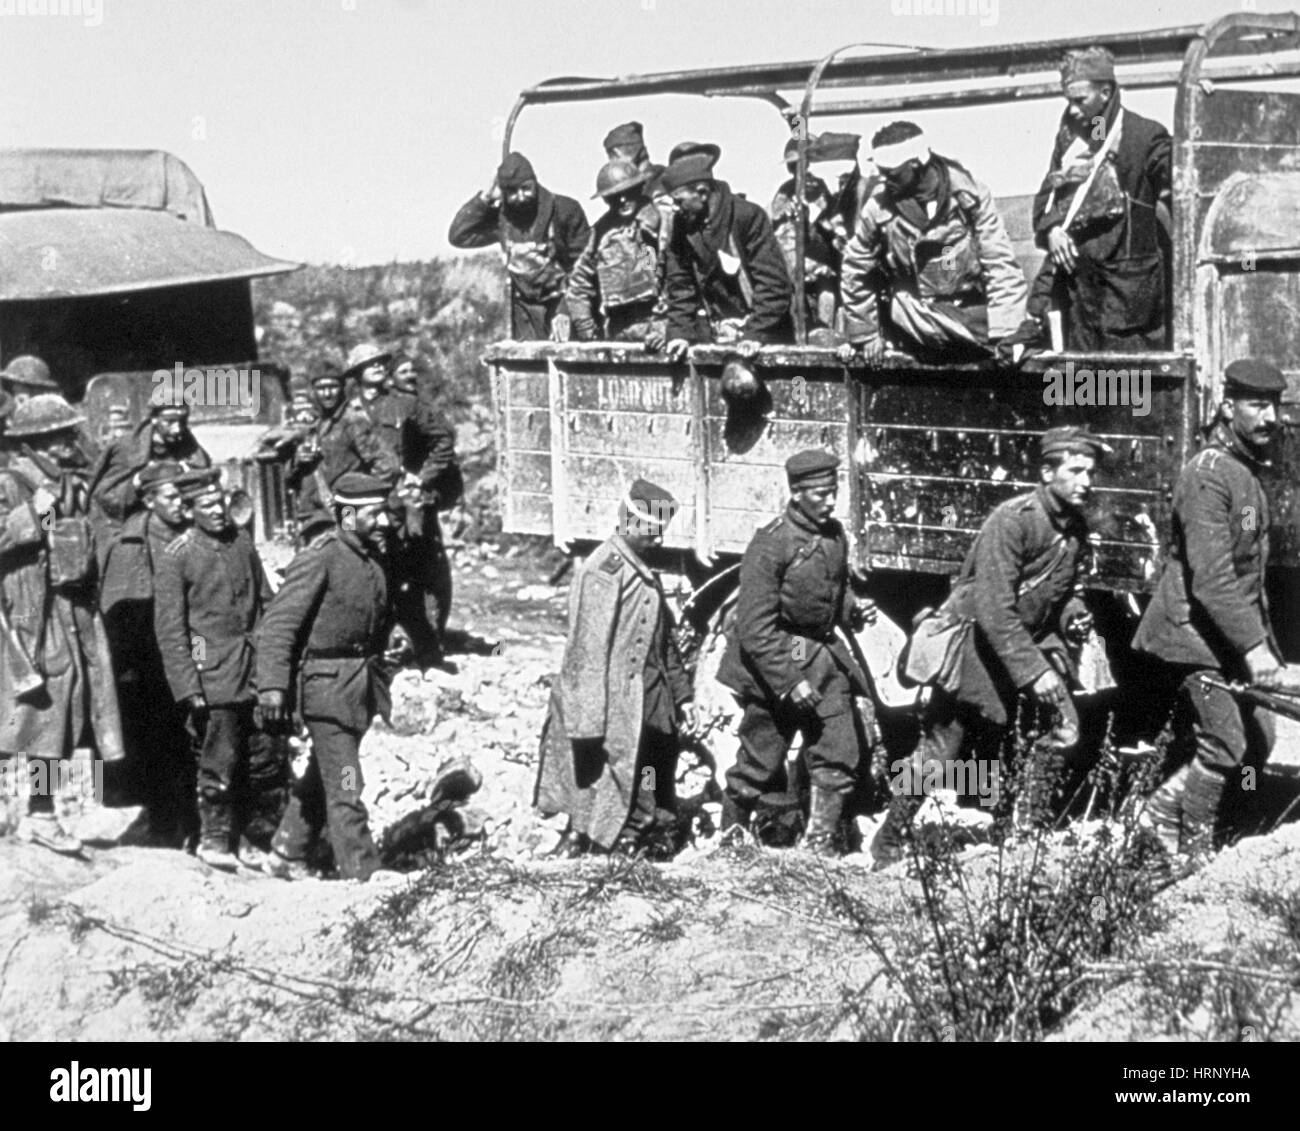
(742, 273)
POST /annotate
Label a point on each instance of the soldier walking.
(1016, 597)
(623, 698)
(208, 605)
(1210, 613)
(785, 663)
(54, 657)
(324, 633)
(153, 727)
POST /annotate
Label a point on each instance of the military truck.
(112, 268)
(929, 450)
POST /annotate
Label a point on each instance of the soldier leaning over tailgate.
(786, 664)
(1005, 625)
(55, 669)
(324, 634)
(1210, 613)
(610, 745)
(208, 602)
(153, 726)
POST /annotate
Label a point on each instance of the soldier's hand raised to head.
(1048, 689)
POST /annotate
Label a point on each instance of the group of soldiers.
(999, 658)
(914, 252)
(137, 619)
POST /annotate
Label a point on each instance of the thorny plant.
(997, 948)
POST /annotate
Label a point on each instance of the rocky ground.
(498, 941)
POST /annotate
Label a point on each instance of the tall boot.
(734, 816)
(822, 836)
(1161, 817)
(889, 845)
(216, 824)
(1202, 797)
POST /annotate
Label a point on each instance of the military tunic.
(614, 708)
(616, 279)
(329, 623)
(794, 593)
(345, 440)
(1210, 606)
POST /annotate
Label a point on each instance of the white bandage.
(901, 152)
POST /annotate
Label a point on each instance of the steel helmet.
(618, 176)
(41, 415)
(365, 354)
(30, 371)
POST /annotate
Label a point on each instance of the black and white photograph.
(639, 522)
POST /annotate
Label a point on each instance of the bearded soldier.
(1210, 614)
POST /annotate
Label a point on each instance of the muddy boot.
(1161, 817)
(825, 810)
(215, 821)
(1202, 796)
(889, 845)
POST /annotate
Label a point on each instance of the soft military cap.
(687, 171)
(357, 489)
(514, 171)
(810, 467)
(1071, 439)
(629, 133)
(328, 375)
(649, 503)
(156, 474)
(1249, 377)
(198, 482)
(1093, 64)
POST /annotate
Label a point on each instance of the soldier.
(339, 440)
(325, 632)
(54, 660)
(724, 259)
(165, 435)
(541, 234)
(27, 376)
(933, 238)
(209, 599)
(623, 697)
(153, 727)
(1210, 613)
(785, 663)
(1015, 605)
(403, 375)
(1096, 216)
(614, 288)
(627, 143)
(386, 410)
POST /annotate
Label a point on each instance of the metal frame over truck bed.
(930, 450)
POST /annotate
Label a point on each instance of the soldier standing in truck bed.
(1210, 612)
(785, 663)
(209, 600)
(324, 633)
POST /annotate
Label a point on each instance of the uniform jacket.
(1210, 606)
(794, 591)
(347, 441)
(112, 489)
(618, 268)
(1115, 298)
(132, 560)
(539, 257)
(430, 453)
(697, 273)
(1015, 584)
(390, 416)
(329, 623)
(616, 610)
(207, 603)
(56, 631)
(963, 256)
